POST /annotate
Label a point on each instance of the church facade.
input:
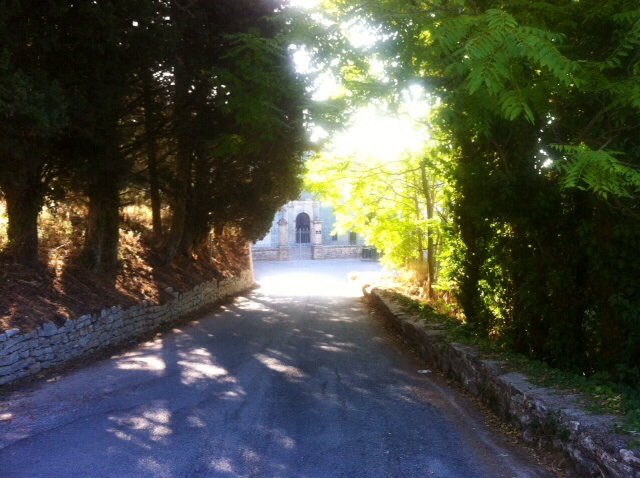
(301, 229)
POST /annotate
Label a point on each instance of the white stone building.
(301, 229)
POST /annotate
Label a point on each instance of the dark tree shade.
(32, 113)
(190, 105)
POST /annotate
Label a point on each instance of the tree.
(396, 202)
(96, 64)
(237, 121)
(32, 113)
(539, 107)
(191, 103)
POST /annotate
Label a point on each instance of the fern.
(452, 34)
(599, 171)
(628, 46)
(513, 105)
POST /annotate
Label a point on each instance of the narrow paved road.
(293, 380)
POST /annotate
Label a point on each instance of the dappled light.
(272, 363)
(149, 363)
(148, 359)
(270, 384)
(246, 303)
(481, 159)
(223, 465)
(197, 365)
(153, 424)
(344, 347)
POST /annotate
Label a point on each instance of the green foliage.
(383, 200)
(30, 103)
(539, 125)
(599, 171)
(358, 188)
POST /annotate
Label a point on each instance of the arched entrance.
(303, 228)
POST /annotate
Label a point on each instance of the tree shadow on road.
(268, 386)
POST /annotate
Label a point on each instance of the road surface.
(293, 380)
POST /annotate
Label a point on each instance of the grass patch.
(602, 393)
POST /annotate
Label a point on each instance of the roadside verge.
(547, 417)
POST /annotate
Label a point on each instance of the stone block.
(14, 367)
(11, 332)
(48, 329)
(9, 359)
(35, 368)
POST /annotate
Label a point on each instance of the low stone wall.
(317, 252)
(23, 354)
(270, 253)
(336, 252)
(547, 417)
(265, 254)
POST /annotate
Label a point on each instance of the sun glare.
(373, 132)
(377, 134)
(360, 35)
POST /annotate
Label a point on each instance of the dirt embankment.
(63, 289)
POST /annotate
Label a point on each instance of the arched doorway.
(303, 228)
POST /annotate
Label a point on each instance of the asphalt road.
(295, 379)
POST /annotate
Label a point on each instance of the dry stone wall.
(266, 254)
(337, 252)
(547, 417)
(284, 253)
(23, 354)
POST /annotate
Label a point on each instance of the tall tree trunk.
(22, 210)
(187, 242)
(181, 125)
(150, 115)
(197, 223)
(181, 120)
(473, 234)
(181, 189)
(103, 222)
(431, 249)
(419, 233)
(612, 328)
(24, 198)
